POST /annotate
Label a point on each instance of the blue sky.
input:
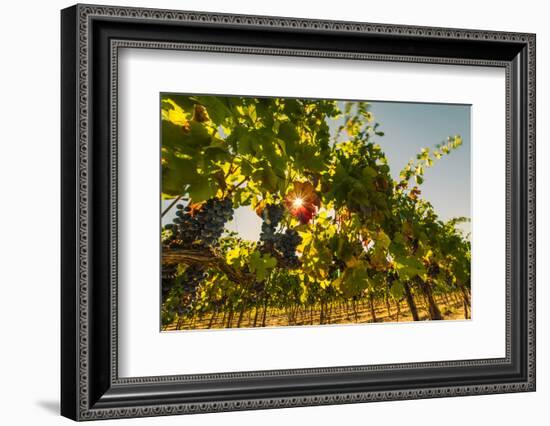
(409, 127)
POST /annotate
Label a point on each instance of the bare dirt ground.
(451, 308)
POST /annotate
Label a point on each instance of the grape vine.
(340, 240)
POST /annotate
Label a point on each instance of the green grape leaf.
(409, 267)
(202, 188)
(216, 107)
(261, 264)
(288, 133)
(353, 281)
(397, 290)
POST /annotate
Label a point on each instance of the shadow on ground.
(50, 406)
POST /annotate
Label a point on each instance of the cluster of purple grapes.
(190, 283)
(271, 216)
(199, 228)
(286, 245)
(204, 227)
(433, 270)
(283, 245)
(168, 275)
(182, 290)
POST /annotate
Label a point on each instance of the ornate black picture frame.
(91, 36)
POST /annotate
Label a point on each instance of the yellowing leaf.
(173, 113)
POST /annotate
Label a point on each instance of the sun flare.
(298, 202)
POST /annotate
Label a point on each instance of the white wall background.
(29, 212)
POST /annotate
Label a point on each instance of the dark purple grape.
(204, 227)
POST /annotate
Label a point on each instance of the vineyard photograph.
(283, 212)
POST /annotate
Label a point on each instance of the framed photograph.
(263, 212)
